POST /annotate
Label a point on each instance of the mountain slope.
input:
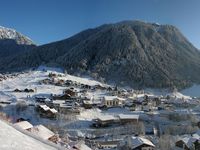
(13, 42)
(127, 53)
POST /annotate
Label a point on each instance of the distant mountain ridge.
(13, 42)
(131, 53)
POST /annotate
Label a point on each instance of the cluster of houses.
(43, 133)
(128, 143)
(75, 98)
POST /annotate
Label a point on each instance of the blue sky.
(45, 21)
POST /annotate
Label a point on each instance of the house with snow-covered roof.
(25, 125)
(136, 143)
(44, 133)
(78, 145)
(113, 101)
(187, 142)
(46, 111)
(104, 120)
(128, 118)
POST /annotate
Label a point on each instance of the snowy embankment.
(12, 139)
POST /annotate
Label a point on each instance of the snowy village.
(79, 113)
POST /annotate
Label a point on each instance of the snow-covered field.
(31, 80)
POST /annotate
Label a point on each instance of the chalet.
(25, 90)
(68, 82)
(70, 92)
(47, 111)
(128, 118)
(44, 133)
(68, 108)
(56, 103)
(28, 90)
(52, 75)
(136, 143)
(109, 89)
(79, 145)
(21, 119)
(17, 90)
(186, 143)
(25, 125)
(107, 144)
(65, 106)
(99, 87)
(85, 86)
(46, 81)
(69, 103)
(87, 104)
(104, 120)
(113, 101)
(60, 83)
(62, 97)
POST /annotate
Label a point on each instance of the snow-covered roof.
(53, 110)
(128, 116)
(188, 140)
(58, 101)
(24, 125)
(106, 117)
(138, 141)
(42, 132)
(44, 107)
(80, 145)
(88, 102)
(110, 98)
(196, 136)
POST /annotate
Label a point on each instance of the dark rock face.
(128, 53)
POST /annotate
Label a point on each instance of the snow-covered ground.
(31, 80)
(28, 80)
(12, 139)
(187, 93)
(193, 91)
(80, 124)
